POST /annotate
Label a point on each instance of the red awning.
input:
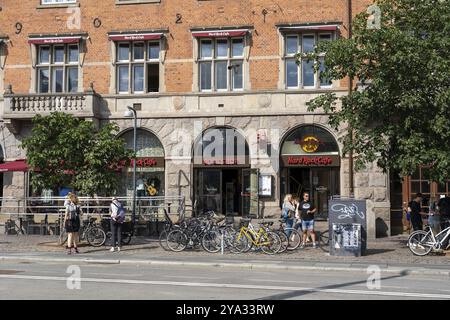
(219, 33)
(51, 40)
(18, 165)
(330, 27)
(137, 36)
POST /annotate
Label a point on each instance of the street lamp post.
(131, 112)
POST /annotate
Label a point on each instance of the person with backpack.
(288, 213)
(72, 223)
(117, 219)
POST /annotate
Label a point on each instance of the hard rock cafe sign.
(309, 144)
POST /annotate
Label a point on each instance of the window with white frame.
(221, 64)
(303, 75)
(58, 1)
(57, 68)
(137, 66)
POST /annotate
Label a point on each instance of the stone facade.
(179, 112)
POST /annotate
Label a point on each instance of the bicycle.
(422, 242)
(190, 234)
(89, 231)
(295, 237)
(247, 238)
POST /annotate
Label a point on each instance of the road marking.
(235, 286)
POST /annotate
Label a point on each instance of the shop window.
(137, 66)
(303, 75)
(57, 68)
(221, 64)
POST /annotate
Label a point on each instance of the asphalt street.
(59, 280)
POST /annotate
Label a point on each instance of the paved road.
(45, 280)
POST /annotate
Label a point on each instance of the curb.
(393, 269)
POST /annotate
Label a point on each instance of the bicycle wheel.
(270, 243)
(324, 240)
(95, 236)
(212, 241)
(240, 243)
(177, 240)
(295, 238)
(284, 241)
(163, 240)
(420, 243)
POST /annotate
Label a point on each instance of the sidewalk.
(390, 254)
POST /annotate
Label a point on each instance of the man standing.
(307, 215)
(416, 212)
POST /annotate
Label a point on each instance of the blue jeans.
(289, 224)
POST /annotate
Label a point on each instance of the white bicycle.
(422, 242)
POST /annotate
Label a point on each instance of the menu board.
(265, 185)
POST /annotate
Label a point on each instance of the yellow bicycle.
(247, 238)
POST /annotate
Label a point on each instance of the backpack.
(120, 218)
(74, 211)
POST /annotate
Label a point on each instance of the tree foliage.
(67, 151)
(400, 111)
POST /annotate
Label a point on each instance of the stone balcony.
(22, 107)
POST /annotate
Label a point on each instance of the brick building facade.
(189, 67)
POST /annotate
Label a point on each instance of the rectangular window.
(303, 75)
(57, 68)
(43, 80)
(123, 78)
(72, 79)
(291, 74)
(138, 78)
(221, 75)
(221, 64)
(237, 76)
(205, 75)
(137, 67)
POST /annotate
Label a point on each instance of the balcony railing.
(25, 106)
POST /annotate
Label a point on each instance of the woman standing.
(288, 213)
(72, 223)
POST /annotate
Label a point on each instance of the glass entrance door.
(324, 185)
(250, 198)
(209, 186)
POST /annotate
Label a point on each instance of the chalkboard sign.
(344, 216)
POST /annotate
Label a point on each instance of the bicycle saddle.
(267, 223)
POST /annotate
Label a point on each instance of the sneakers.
(302, 246)
(111, 250)
(69, 250)
(76, 250)
(314, 245)
(118, 249)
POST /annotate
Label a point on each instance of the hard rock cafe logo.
(309, 144)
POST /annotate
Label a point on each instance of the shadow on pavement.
(299, 293)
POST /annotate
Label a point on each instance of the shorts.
(308, 225)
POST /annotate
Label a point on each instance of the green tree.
(67, 151)
(400, 110)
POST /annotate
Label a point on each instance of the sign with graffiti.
(347, 218)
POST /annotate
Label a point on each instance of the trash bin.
(346, 239)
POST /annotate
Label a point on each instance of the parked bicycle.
(422, 242)
(248, 237)
(89, 231)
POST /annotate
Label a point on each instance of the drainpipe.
(350, 88)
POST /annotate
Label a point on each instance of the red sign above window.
(54, 40)
(311, 161)
(219, 33)
(134, 37)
